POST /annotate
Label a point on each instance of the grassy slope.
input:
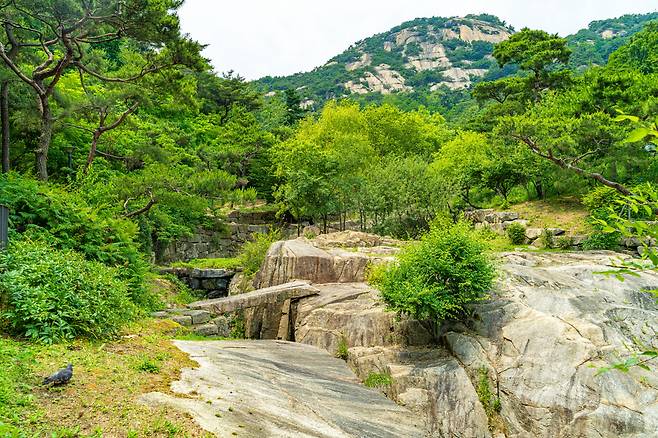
(566, 213)
(103, 396)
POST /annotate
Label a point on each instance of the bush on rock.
(438, 276)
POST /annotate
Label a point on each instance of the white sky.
(279, 37)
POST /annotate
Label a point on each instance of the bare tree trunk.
(539, 188)
(92, 149)
(4, 120)
(44, 139)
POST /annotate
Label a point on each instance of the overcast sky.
(279, 37)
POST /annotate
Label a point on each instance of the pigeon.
(61, 377)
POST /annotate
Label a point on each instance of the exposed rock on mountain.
(437, 54)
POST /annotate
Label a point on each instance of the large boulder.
(353, 313)
(280, 389)
(552, 321)
(330, 258)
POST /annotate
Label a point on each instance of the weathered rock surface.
(281, 389)
(551, 322)
(266, 313)
(353, 312)
(324, 259)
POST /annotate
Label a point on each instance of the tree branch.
(140, 75)
(144, 209)
(121, 118)
(563, 164)
(13, 67)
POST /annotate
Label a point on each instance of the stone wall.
(267, 313)
(213, 283)
(210, 244)
(201, 322)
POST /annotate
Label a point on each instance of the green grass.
(378, 380)
(567, 213)
(171, 290)
(219, 263)
(490, 402)
(102, 398)
(16, 399)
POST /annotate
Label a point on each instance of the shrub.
(253, 253)
(52, 295)
(148, 365)
(604, 203)
(66, 221)
(601, 198)
(547, 239)
(238, 329)
(564, 242)
(516, 233)
(600, 240)
(489, 401)
(342, 350)
(438, 276)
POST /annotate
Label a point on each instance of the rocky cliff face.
(524, 365)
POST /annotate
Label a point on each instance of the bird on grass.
(61, 377)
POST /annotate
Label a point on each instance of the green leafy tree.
(220, 94)
(294, 110)
(543, 57)
(52, 37)
(641, 53)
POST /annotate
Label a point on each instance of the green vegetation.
(516, 233)
(378, 380)
(54, 295)
(253, 252)
(371, 163)
(237, 327)
(547, 239)
(119, 140)
(128, 365)
(342, 350)
(218, 263)
(15, 397)
(490, 402)
(589, 47)
(438, 277)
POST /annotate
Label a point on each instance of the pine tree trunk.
(44, 139)
(4, 121)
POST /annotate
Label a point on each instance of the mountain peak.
(436, 53)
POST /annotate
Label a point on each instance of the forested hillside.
(434, 61)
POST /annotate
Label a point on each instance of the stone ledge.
(270, 295)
